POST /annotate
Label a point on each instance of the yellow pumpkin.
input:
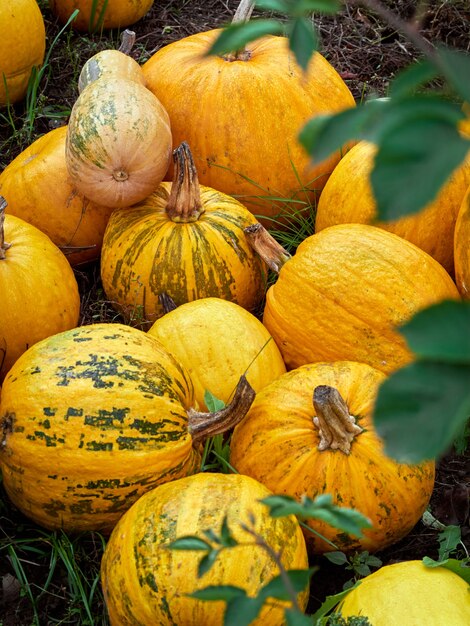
(93, 418)
(118, 144)
(345, 291)
(39, 293)
(218, 341)
(184, 240)
(241, 115)
(38, 189)
(107, 14)
(22, 46)
(146, 583)
(311, 432)
(410, 594)
(348, 198)
(462, 248)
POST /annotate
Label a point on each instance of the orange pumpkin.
(22, 47)
(107, 14)
(348, 198)
(39, 291)
(345, 291)
(38, 189)
(241, 115)
(311, 432)
(462, 248)
(184, 240)
(118, 144)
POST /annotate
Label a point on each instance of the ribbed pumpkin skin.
(118, 13)
(243, 117)
(38, 189)
(218, 341)
(410, 594)
(462, 248)
(348, 198)
(99, 418)
(22, 46)
(346, 290)
(146, 584)
(145, 253)
(118, 144)
(109, 63)
(39, 292)
(277, 444)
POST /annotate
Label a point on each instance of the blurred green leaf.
(441, 332)
(227, 539)
(242, 611)
(303, 40)
(408, 80)
(295, 618)
(279, 6)
(421, 408)
(276, 588)
(237, 36)
(219, 592)
(190, 542)
(207, 562)
(456, 67)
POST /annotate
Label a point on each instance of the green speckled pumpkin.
(146, 584)
(296, 447)
(91, 419)
(184, 240)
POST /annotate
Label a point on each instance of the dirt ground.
(367, 53)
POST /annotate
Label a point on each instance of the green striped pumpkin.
(92, 418)
(185, 240)
(145, 583)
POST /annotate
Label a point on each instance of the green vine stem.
(184, 204)
(3, 244)
(202, 425)
(264, 244)
(336, 427)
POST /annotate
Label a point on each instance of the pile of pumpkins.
(103, 425)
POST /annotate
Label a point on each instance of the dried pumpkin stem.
(242, 14)
(264, 244)
(3, 244)
(184, 203)
(337, 428)
(167, 302)
(202, 425)
(127, 41)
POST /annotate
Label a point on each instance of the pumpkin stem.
(337, 428)
(167, 302)
(202, 425)
(127, 41)
(262, 242)
(184, 203)
(242, 14)
(3, 245)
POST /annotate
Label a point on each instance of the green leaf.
(295, 618)
(421, 408)
(408, 169)
(348, 520)
(455, 65)
(218, 592)
(237, 36)
(279, 6)
(212, 402)
(190, 542)
(276, 588)
(449, 539)
(242, 611)
(330, 603)
(373, 561)
(212, 535)
(207, 562)
(305, 7)
(461, 568)
(362, 569)
(303, 40)
(336, 557)
(413, 76)
(441, 332)
(227, 539)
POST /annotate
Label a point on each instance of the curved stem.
(264, 244)
(3, 244)
(127, 41)
(243, 12)
(184, 203)
(202, 425)
(337, 428)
